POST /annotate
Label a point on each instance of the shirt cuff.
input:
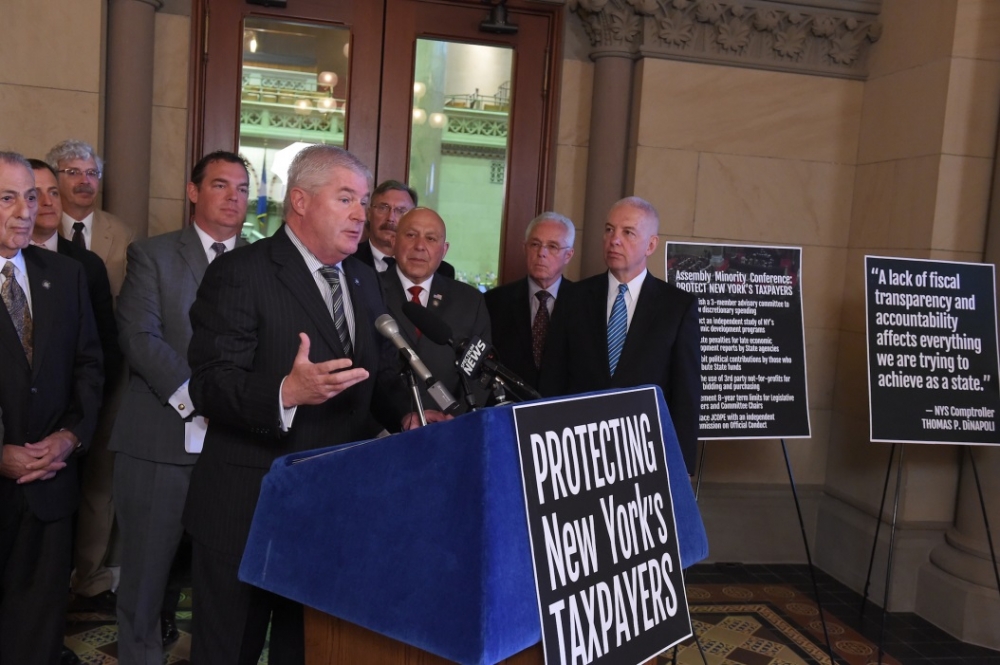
(181, 401)
(286, 416)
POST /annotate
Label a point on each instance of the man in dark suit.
(50, 395)
(390, 201)
(95, 516)
(157, 437)
(627, 328)
(520, 321)
(421, 244)
(285, 358)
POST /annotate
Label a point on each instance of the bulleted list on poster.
(601, 524)
(932, 351)
(753, 365)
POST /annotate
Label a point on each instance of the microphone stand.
(411, 377)
(470, 397)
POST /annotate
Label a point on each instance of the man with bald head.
(625, 327)
(421, 244)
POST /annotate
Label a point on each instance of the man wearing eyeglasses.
(80, 170)
(520, 321)
(390, 201)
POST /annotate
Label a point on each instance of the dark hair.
(38, 165)
(198, 172)
(395, 185)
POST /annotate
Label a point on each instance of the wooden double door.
(415, 88)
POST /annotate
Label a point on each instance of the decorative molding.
(822, 37)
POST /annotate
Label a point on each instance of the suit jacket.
(251, 307)
(510, 314)
(153, 315)
(460, 306)
(61, 389)
(104, 307)
(365, 254)
(109, 239)
(663, 347)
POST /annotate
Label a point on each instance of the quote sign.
(932, 351)
(601, 522)
(753, 364)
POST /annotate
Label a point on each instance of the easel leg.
(878, 526)
(701, 470)
(805, 542)
(892, 543)
(986, 521)
(700, 650)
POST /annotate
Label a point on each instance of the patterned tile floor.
(742, 614)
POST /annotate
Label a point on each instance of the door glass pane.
(458, 148)
(294, 94)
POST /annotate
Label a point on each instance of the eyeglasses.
(384, 209)
(552, 247)
(92, 174)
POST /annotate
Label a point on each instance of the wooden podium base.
(333, 641)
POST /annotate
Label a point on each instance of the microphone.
(474, 354)
(432, 327)
(388, 327)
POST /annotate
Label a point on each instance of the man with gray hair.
(625, 327)
(80, 170)
(285, 357)
(49, 396)
(521, 311)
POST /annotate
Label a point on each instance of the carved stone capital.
(825, 37)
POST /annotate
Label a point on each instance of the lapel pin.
(46, 284)
(357, 282)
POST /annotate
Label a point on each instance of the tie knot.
(389, 262)
(543, 296)
(415, 291)
(330, 274)
(78, 226)
(8, 270)
(219, 249)
(622, 288)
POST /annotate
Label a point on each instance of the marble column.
(128, 110)
(958, 586)
(608, 152)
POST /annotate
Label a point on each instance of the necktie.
(389, 262)
(17, 307)
(540, 327)
(617, 328)
(219, 249)
(415, 297)
(332, 277)
(78, 238)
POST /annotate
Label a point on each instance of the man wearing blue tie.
(627, 328)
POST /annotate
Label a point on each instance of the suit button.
(34, 391)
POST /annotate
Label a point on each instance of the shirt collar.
(207, 241)
(18, 261)
(407, 283)
(68, 222)
(51, 243)
(312, 263)
(534, 288)
(634, 285)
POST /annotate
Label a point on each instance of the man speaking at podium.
(285, 358)
(627, 328)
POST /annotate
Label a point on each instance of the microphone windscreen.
(431, 325)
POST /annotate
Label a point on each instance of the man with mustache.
(390, 201)
(79, 170)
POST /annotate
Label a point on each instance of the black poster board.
(753, 359)
(601, 523)
(932, 351)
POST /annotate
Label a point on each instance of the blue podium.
(421, 536)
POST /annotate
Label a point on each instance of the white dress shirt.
(631, 294)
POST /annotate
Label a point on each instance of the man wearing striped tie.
(158, 434)
(627, 328)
